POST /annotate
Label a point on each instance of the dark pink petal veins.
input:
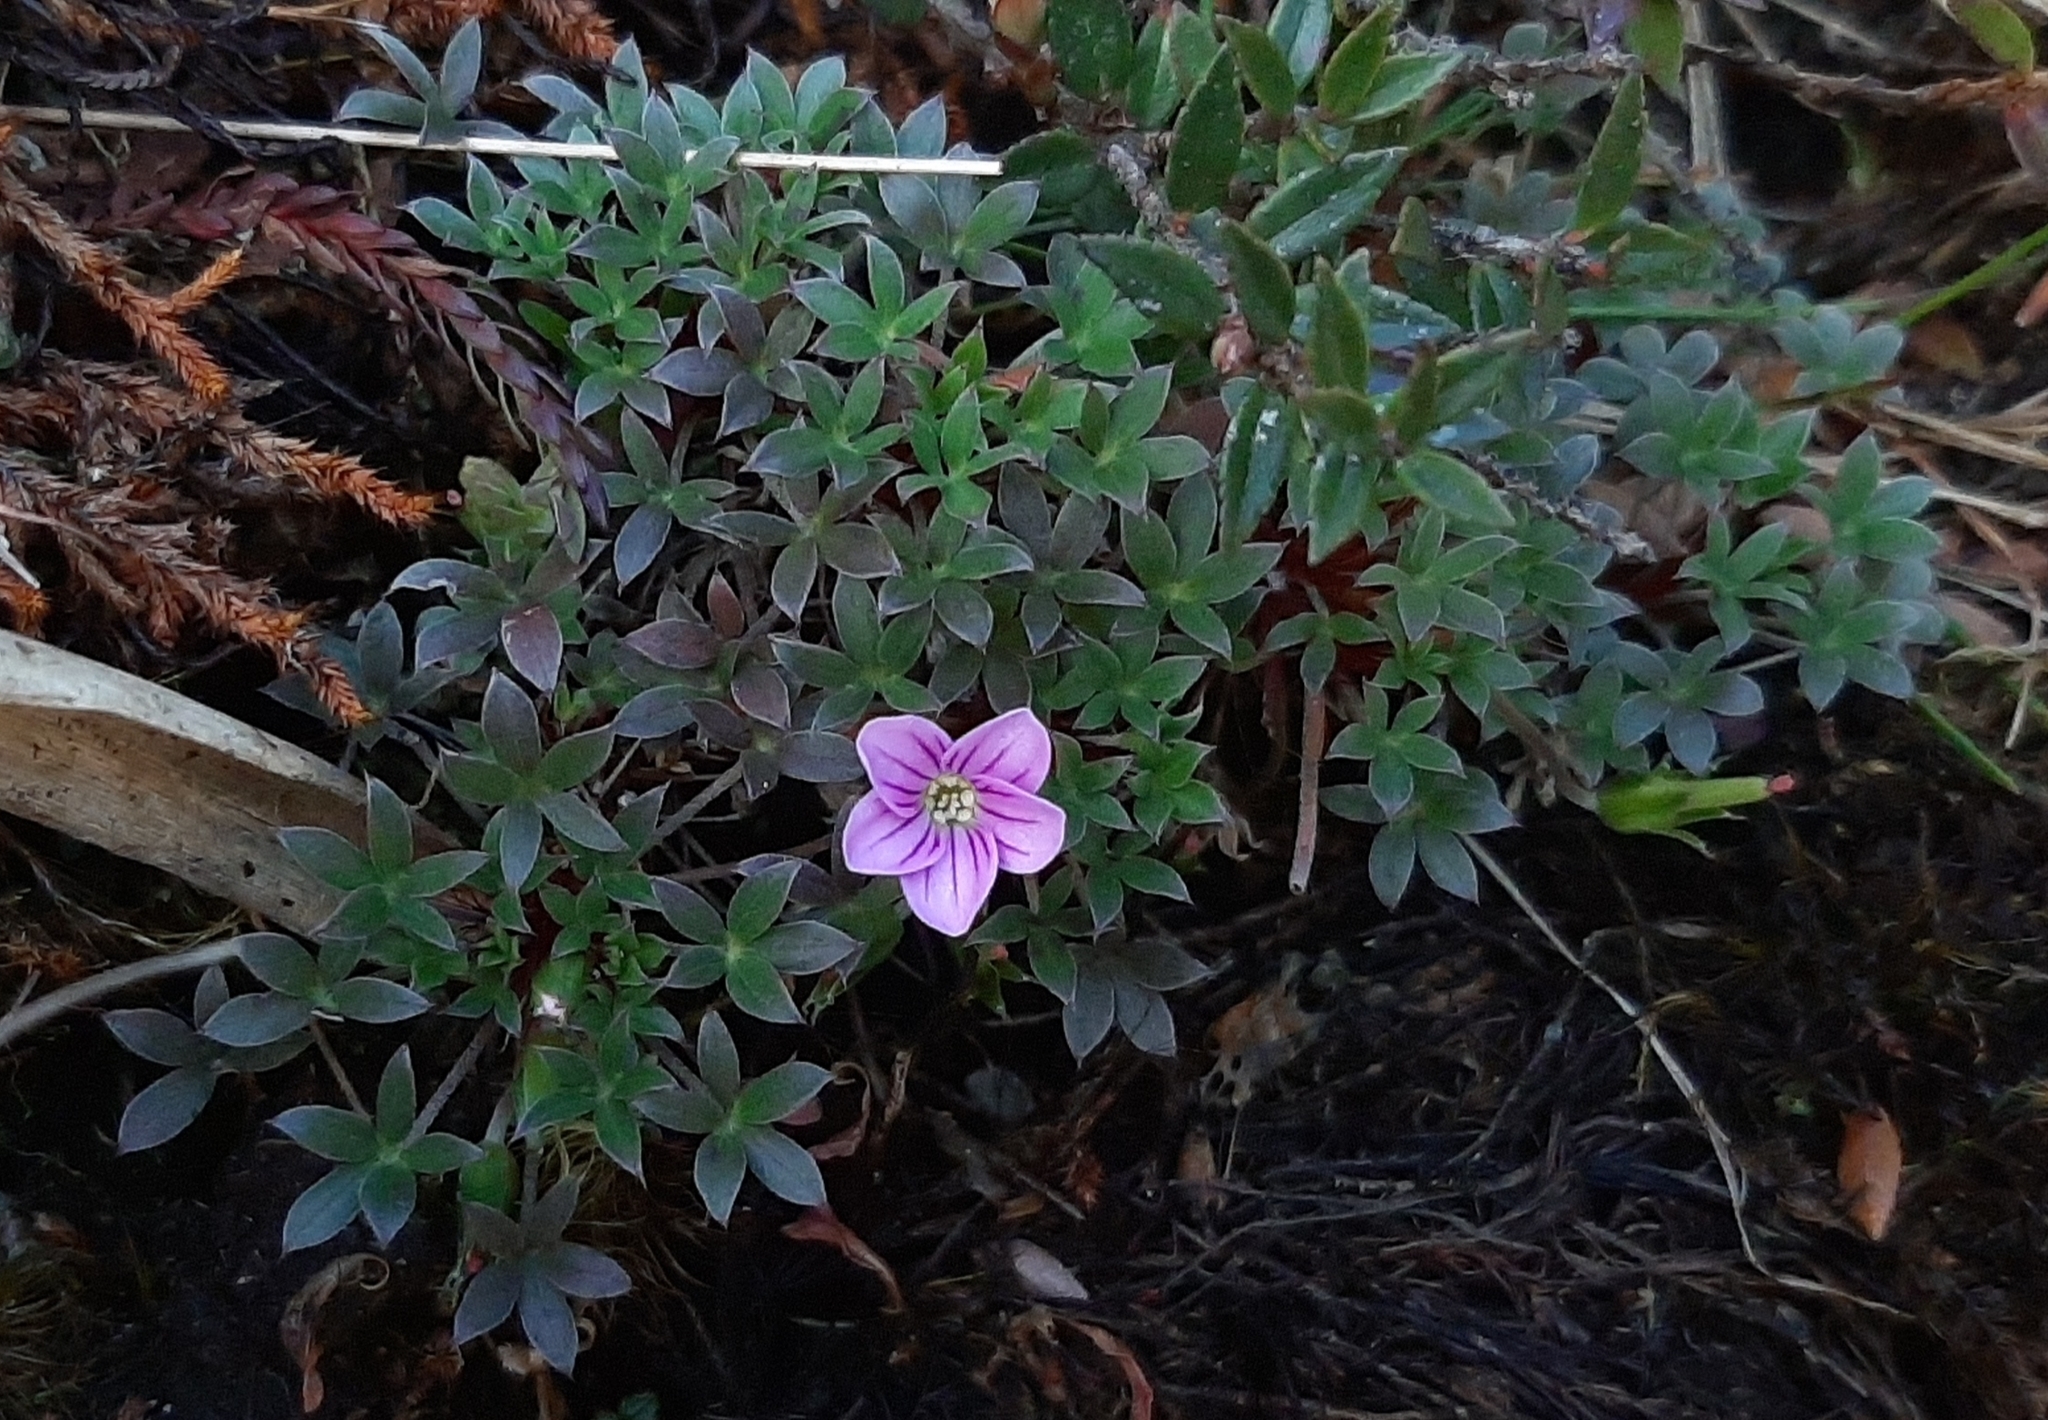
(902, 754)
(1029, 832)
(1013, 749)
(947, 895)
(884, 841)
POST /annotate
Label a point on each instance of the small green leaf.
(1339, 355)
(397, 1096)
(1404, 81)
(784, 1166)
(1206, 141)
(1169, 289)
(1265, 289)
(1316, 209)
(1346, 420)
(1092, 41)
(1153, 93)
(324, 1209)
(1349, 76)
(1998, 32)
(1414, 412)
(437, 1154)
(331, 1133)
(720, 1170)
(329, 857)
(375, 1001)
(760, 900)
(757, 988)
(1262, 65)
(780, 1093)
(388, 1193)
(258, 1019)
(1656, 35)
(1617, 157)
(390, 829)
(1255, 461)
(163, 1110)
(1447, 483)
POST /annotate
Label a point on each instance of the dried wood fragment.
(144, 772)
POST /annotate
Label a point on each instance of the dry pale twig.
(268, 132)
(28, 1018)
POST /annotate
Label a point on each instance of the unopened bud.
(2026, 129)
(1233, 349)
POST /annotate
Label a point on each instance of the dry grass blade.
(1732, 1172)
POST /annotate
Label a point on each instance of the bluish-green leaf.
(1454, 486)
(1301, 31)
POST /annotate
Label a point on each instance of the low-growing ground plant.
(947, 518)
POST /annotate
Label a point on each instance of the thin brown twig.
(153, 320)
(452, 1081)
(1315, 719)
(334, 1066)
(1831, 92)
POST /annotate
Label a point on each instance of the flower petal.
(902, 754)
(947, 895)
(884, 840)
(1013, 749)
(1029, 832)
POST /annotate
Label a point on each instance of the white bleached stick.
(267, 132)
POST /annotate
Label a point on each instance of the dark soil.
(1471, 1191)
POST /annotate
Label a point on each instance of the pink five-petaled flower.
(944, 815)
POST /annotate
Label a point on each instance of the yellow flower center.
(951, 801)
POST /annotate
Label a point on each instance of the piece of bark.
(144, 772)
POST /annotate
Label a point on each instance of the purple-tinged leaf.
(699, 372)
(533, 643)
(676, 644)
(446, 633)
(761, 692)
(486, 1302)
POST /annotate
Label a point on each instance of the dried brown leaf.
(821, 1224)
(1869, 1169)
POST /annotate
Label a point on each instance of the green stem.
(1983, 276)
(1968, 748)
